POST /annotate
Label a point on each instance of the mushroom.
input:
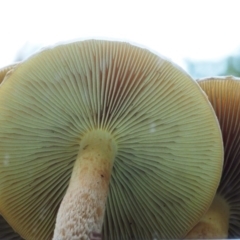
(223, 218)
(6, 232)
(107, 137)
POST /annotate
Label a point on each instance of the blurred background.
(202, 37)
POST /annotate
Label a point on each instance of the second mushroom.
(222, 220)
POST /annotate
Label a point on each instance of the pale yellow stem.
(215, 222)
(82, 209)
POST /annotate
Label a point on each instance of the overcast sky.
(176, 29)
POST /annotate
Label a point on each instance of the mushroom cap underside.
(224, 95)
(6, 232)
(169, 156)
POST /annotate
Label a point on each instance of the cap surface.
(170, 151)
(224, 94)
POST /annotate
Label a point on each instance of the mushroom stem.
(215, 222)
(82, 209)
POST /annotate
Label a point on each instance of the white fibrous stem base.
(82, 210)
(214, 224)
